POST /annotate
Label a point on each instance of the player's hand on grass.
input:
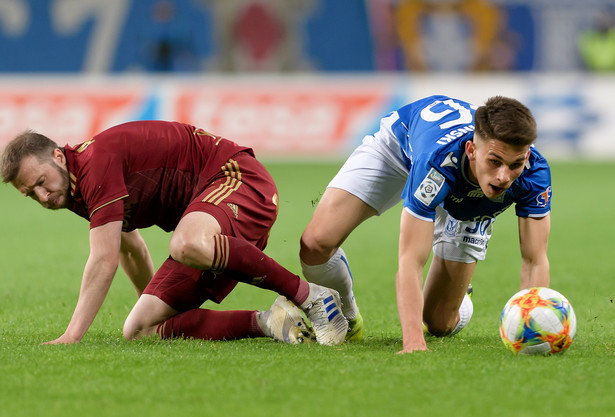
(414, 347)
(62, 340)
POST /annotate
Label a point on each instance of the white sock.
(465, 314)
(335, 273)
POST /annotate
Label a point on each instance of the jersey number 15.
(465, 116)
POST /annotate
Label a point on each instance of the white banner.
(301, 116)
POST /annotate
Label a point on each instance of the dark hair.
(507, 120)
(26, 144)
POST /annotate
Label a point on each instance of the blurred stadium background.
(304, 78)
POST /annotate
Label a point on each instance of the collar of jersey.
(464, 168)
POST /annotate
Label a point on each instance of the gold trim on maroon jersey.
(84, 145)
(201, 132)
(73, 183)
(232, 183)
(107, 203)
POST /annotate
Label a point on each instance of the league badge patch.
(544, 198)
(429, 187)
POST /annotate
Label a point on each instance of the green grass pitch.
(42, 255)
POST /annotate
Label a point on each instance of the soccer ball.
(537, 321)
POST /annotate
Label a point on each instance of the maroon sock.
(249, 264)
(211, 325)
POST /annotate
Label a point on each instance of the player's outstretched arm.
(414, 247)
(136, 260)
(533, 240)
(97, 276)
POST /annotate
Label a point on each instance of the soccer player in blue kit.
(456, 167)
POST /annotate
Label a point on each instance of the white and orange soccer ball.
(537, 321)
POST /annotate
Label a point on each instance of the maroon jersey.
(144, 173)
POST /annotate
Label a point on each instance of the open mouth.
(497, 190)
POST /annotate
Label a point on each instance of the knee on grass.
(440, 328)
(133, 330)
(448, 325)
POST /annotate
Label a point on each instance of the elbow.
(105, 263)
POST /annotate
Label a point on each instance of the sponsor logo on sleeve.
(429, 187)
(543, 198)
(450, 161)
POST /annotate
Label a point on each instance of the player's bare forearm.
(415, 240)
(97, 277)
(533, 239)
(136, 261)
(410, 309)
(95, 285)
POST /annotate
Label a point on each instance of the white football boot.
(284, 321)
(324, 310)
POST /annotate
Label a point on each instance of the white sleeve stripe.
(427, 219)
(537, 215)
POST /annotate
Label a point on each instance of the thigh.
(243, 200)
(338, 213)
(445, 286)
(368, 184)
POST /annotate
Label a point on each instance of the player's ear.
(471, 150)
(59, 157)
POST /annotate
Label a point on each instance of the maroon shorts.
(244, 200)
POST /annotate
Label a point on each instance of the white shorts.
(461, 241)
(377, 176)
(370, 174)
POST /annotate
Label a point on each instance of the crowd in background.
(306, 35)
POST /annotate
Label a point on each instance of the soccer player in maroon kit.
(218, 200)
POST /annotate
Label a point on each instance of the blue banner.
(118, 36)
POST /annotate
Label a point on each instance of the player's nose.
(504, 175)
(42, 195)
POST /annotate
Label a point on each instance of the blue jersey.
(432, 134)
